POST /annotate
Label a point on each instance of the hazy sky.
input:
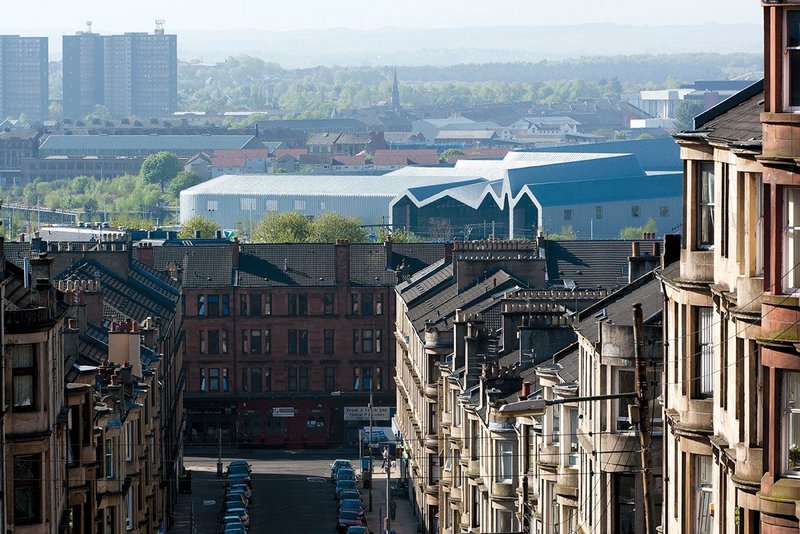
(111, 16)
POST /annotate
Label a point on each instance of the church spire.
(395, 92)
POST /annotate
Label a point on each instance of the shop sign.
(361, 413)
(283, 412)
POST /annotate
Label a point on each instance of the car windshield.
(346, 484)
(351, 494)
(351, 504)
(347, 514)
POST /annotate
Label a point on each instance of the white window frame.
(247, 204)
(705, 351)
(704, 168)
(505, 462)
(272, 205)
(790, 409)
(299, 205)
(703, 495)
(790, 270)
(212, 205)
(622, 423)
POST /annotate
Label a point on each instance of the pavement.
(291, 493)
(404, 521)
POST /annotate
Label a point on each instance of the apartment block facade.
(133, 74)
(24, 77)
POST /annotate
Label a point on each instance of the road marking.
(209, 502)
(316, 479)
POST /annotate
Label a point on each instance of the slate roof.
(466, 134)
(741, 124)
(406, 157)
(132, 298)
(618, 307)
(590, 264)
(294, 152)
(412, 257)
(201, 265)
(55, 143)
(338, 138)
(368, 266)
(425, 281)
(237, 158)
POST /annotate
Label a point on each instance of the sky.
(55, 17)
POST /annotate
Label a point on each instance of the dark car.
(338, 464)
(358, 530)
(351, 505)
(344, 485)
(349, 519)
(239, 466)
(350, 494)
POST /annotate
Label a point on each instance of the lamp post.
(369, 445)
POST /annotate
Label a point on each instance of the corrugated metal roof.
(303, 184)
(658, 154)
(609, 190)
(144, 142)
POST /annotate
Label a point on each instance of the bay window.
(705, 204)
(790, 279)
(791, 422)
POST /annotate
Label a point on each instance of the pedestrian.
(392, 509)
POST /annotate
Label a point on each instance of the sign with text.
(283, 412)
(361, 413)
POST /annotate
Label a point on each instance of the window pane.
(705, 351)
(791, 236)
(255, 379)
(22, 356)
(255, 305)
(23, 391)
(792, 414)
(705, 208)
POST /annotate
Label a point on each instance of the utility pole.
(219, 453)
(388, 465)
(642, 405)
(369, 445)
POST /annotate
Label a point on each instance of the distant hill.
(394, 46)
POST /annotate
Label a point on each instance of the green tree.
(286, 227)
(205, 226)
(635, 232)
(686, 112)
(400, 236)
(183, 180)
(160, 168)
(567, 234)
(449, 153)
(330, 226)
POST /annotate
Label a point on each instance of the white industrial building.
(233, 199)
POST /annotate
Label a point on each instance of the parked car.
(239, 478)
(238, 466)
(350, 494)
(358, 530)
(351, 505)
(345, 474)
(236, 518)
(349, 519)
(240, 488)
(234, 528)
(236, 498)
(336, 465)
(343, 485)
(241, 512)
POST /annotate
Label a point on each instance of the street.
(292, 492)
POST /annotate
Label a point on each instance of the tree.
(330, 226)
(635, 232)
(183, 180)
(450, 153)
(205, 226)
(161, 168)
(686, 112)
(286, 227)
(567, 234)
(400, 236)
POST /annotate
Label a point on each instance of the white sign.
(361, 413)
(283, 412)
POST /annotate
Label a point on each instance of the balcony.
(431, 391)
(503, 491)
(432, 442)
(697, 266)
(567, 482)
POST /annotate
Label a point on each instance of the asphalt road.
(291, 490)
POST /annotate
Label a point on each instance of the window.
(759, 223)
(354, 303)
(366, 304)
(378, 303)
(356, 341)
(245, 341)
(792, 68)
(366, 341)
(504, 520)
(203, 383)
(245, 379)
(226, 309)
(247, 204)
(213, 342)
(201, 305)
(702, 494)
(212, 205)
(328, 344)
(298, 378)
(23, 372)
(705, 204)
(298, 342)
(225, 380)
(298, 304)
(505, 462)
(213, 379)
(203, 347)
(330, 378)
(213, 305)
(598, 212)
(366, 373)
(299, 205)
(272, 205)
(704, 352)
(791, 421)
(791, 239)
(356, 379)
(625, 512)
(378, 340)
(109, 456)
(255, 341)
(267, 341)
(635, 212)
(567, 215)
(327, 303)
(256, 379)
(724, 211)
(663, 211)
(27, 489)
(267, 308)
(378, 378)
(303, 378)
(625, 383)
